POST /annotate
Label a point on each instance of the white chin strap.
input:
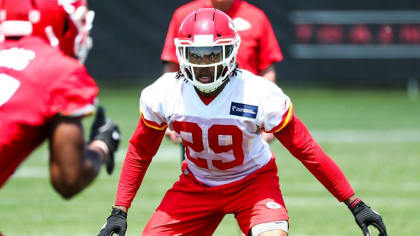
(52, 38)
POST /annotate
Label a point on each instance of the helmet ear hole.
(224, 71)
(66, 26)
(188, 73)
(228, 50)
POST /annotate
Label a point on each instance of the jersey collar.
(232, 10)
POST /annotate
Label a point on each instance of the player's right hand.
(107, 131)
(116, 223)
(173, 136)
(268, 137)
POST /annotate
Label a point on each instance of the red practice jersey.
(259, 47)
(222, 139)
(37, 82)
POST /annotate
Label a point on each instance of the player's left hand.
(366, 217)
(116, 223)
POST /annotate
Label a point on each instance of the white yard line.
(171, 153)
(366, 136)
(329, 201)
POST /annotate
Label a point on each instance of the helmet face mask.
(76, 41)
(207, 42)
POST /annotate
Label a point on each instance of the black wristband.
(118, 212)
(354, 203)
(358, 207)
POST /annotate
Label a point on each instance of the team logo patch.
(273, 205)
(239, 109)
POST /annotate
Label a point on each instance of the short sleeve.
(277, 109)
(74, 93)
(269, 52)
(168, 51)
(151, 107)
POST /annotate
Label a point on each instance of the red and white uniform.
(37, 82)
(223, 145)
(226, 158)
(259, 47)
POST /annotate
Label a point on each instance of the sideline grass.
(384, 173)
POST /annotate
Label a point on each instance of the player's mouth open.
(204, 79)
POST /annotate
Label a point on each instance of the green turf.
(373, 135)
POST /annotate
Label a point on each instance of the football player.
(45, 92)
(259, 49)
(220, 112)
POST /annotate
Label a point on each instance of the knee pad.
(264, 227)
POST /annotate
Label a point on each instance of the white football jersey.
(222, 140)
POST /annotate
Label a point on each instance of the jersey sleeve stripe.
(284, 121)
(81, 112)
(152, 124)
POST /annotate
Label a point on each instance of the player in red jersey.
(45, 93)
(259, 49)
(220, 112)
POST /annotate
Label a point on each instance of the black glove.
(365, 217)
(116, 223)
(107, 131)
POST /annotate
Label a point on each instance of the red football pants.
(191, 208)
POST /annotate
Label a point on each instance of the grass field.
(373, 135)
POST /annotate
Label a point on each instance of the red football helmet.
(206, 38)
(63, 23)
(17, 17)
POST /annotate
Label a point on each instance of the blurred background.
(362, 42)
(352, 70)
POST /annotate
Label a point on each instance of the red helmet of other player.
(207, 38)
(63, 23)
(66, 23)
(17, 18)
